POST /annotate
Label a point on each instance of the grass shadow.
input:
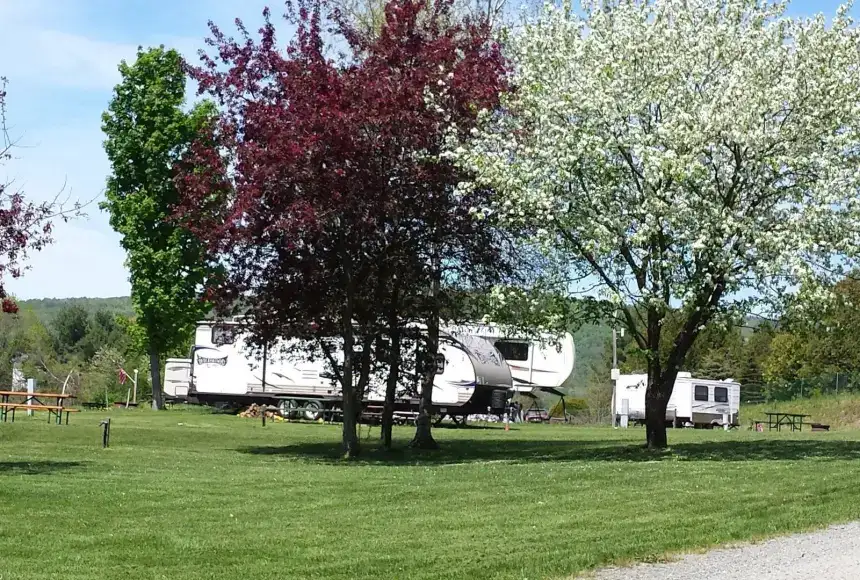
(36, 467)
(539, 451)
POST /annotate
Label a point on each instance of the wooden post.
(105, 433)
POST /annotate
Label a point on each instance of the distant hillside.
(47, 308)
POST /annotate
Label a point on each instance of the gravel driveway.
(833, 553)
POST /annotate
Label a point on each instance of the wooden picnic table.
(777, 420)
(35, 401)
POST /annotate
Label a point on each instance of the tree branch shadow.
(539, 451)
(37, 467)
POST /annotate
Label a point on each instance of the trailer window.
(721, 395)
(513, 350)
(701, 393)
(223, 334)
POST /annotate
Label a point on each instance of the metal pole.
(265, 356)
(134, 398)
(614, 349)
(614, 381)
(531, 361)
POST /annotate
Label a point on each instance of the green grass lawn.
(188, 495)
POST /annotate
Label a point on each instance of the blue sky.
(60, 57)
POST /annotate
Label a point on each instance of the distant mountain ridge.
(46, 309)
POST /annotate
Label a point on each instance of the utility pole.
(614, 372)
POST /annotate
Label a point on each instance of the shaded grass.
(185, 494)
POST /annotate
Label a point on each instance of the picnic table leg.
(13, 414)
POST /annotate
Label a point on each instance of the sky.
(61, 57)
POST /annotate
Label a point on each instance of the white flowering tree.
(692, 157)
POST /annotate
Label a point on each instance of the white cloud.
(81, 262)
(35, 53)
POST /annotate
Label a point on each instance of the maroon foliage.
(321, 182)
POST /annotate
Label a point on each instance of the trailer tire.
(288, 409)
(314, 411)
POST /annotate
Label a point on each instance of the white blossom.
(674, 147)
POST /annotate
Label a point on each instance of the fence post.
(31, 388)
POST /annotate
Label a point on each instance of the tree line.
(79, 346)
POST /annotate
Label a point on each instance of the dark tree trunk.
(656, 402)
(424, 422)
(351, 409)
(155, 379)
(661, 378)
(350, 441)
(391, 384)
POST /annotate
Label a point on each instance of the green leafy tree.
(70, 327)
(148, 131)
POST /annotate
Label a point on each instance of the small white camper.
(177, 377)
(694, 402)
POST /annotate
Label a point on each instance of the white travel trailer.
(177, 377)
(535, 364)
(471, 374)
(693, 402)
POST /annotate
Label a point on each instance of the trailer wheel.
(313, 410)
(288, 407)
(459, 420)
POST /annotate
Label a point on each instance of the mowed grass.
(189, 495)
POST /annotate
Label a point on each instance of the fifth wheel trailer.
(694, 402)
(542, 363)
(471, 374)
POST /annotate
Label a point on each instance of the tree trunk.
(350, 403)
(661, 383)
(391, 385)
(350, 441)
(655, 420)
(424, 422)
(155, 379)
(351, 409)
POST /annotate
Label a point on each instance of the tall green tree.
(148, 131)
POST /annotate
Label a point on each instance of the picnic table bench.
(35, 402)
(778, 420)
